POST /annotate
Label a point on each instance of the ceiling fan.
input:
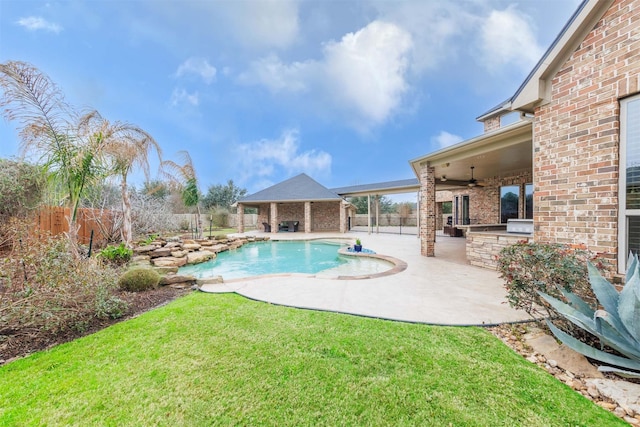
(473, 182)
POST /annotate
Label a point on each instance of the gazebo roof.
(300, 188)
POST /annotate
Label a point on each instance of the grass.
(224, 360)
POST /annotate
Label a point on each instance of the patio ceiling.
(496, 153)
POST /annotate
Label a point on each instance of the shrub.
(529, 268)
(220, 217)
(220, 237)
(184, 225)
(139, 279)
(44, 290)
(111, 307)
(118, 255)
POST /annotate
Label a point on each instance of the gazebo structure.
(301, 201)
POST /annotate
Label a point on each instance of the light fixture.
(443, 179)
(472, 182)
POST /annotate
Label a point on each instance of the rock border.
(610, 392)
(167, 255)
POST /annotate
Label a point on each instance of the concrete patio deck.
(443, 290)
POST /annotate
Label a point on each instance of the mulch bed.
(20, 344)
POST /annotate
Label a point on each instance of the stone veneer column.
(274, 217)
(427, 210)
(240, 216)
(307, 217)
(343, 218)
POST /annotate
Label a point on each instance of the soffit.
(507, 150)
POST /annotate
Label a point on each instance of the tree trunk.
(72, 235)
(127, 234)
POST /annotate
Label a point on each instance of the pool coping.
(398, 266)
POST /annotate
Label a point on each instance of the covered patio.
(490, 184)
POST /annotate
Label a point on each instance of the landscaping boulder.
(165, 270)
(169, 262)
(218, 248)
(179, 253)
(144, 249)
(172, 279)
(140, 258)
(199, 257)
(210, 281)
(160, 252)
(191, 246)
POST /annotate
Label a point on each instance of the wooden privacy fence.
(53, 219)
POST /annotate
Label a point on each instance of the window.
(465, 210)
(629, 220)
(528, 201)
(509, 200)
(461, 210)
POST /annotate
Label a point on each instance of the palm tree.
(126, 146)
(47, 129)
(185, 178)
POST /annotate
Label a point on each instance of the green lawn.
(210, 359)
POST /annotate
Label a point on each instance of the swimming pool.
(272, 257)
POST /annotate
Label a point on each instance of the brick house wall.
(263, 215)
(325, 216)
(576, 135)
(291, 212)
(484, 202)
(491, 124)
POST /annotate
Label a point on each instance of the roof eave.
(536, 89)
(257, 202)
(486, 139)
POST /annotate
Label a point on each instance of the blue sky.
(259, 91)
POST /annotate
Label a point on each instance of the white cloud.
(262, 159)
(278, 76)
(361, 77)
(445, 139)
(181, 96)
(35, 23)
(435, 27)
(508, 38)
(366, 70)
(199, 67)
(267, 23)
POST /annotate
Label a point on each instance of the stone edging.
(167, 255)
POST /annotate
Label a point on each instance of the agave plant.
(616, 324)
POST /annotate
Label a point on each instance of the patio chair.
(283, 226)
(267, 227)
(293, 225)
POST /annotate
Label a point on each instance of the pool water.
(272, 257)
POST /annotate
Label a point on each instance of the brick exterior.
(427, 210)
(576, 135)
(263, 216)
(491, 124)
(273, 215)
(321, 216)
(484, 202)
(241, 216)
(325, 216)
(307, 217)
